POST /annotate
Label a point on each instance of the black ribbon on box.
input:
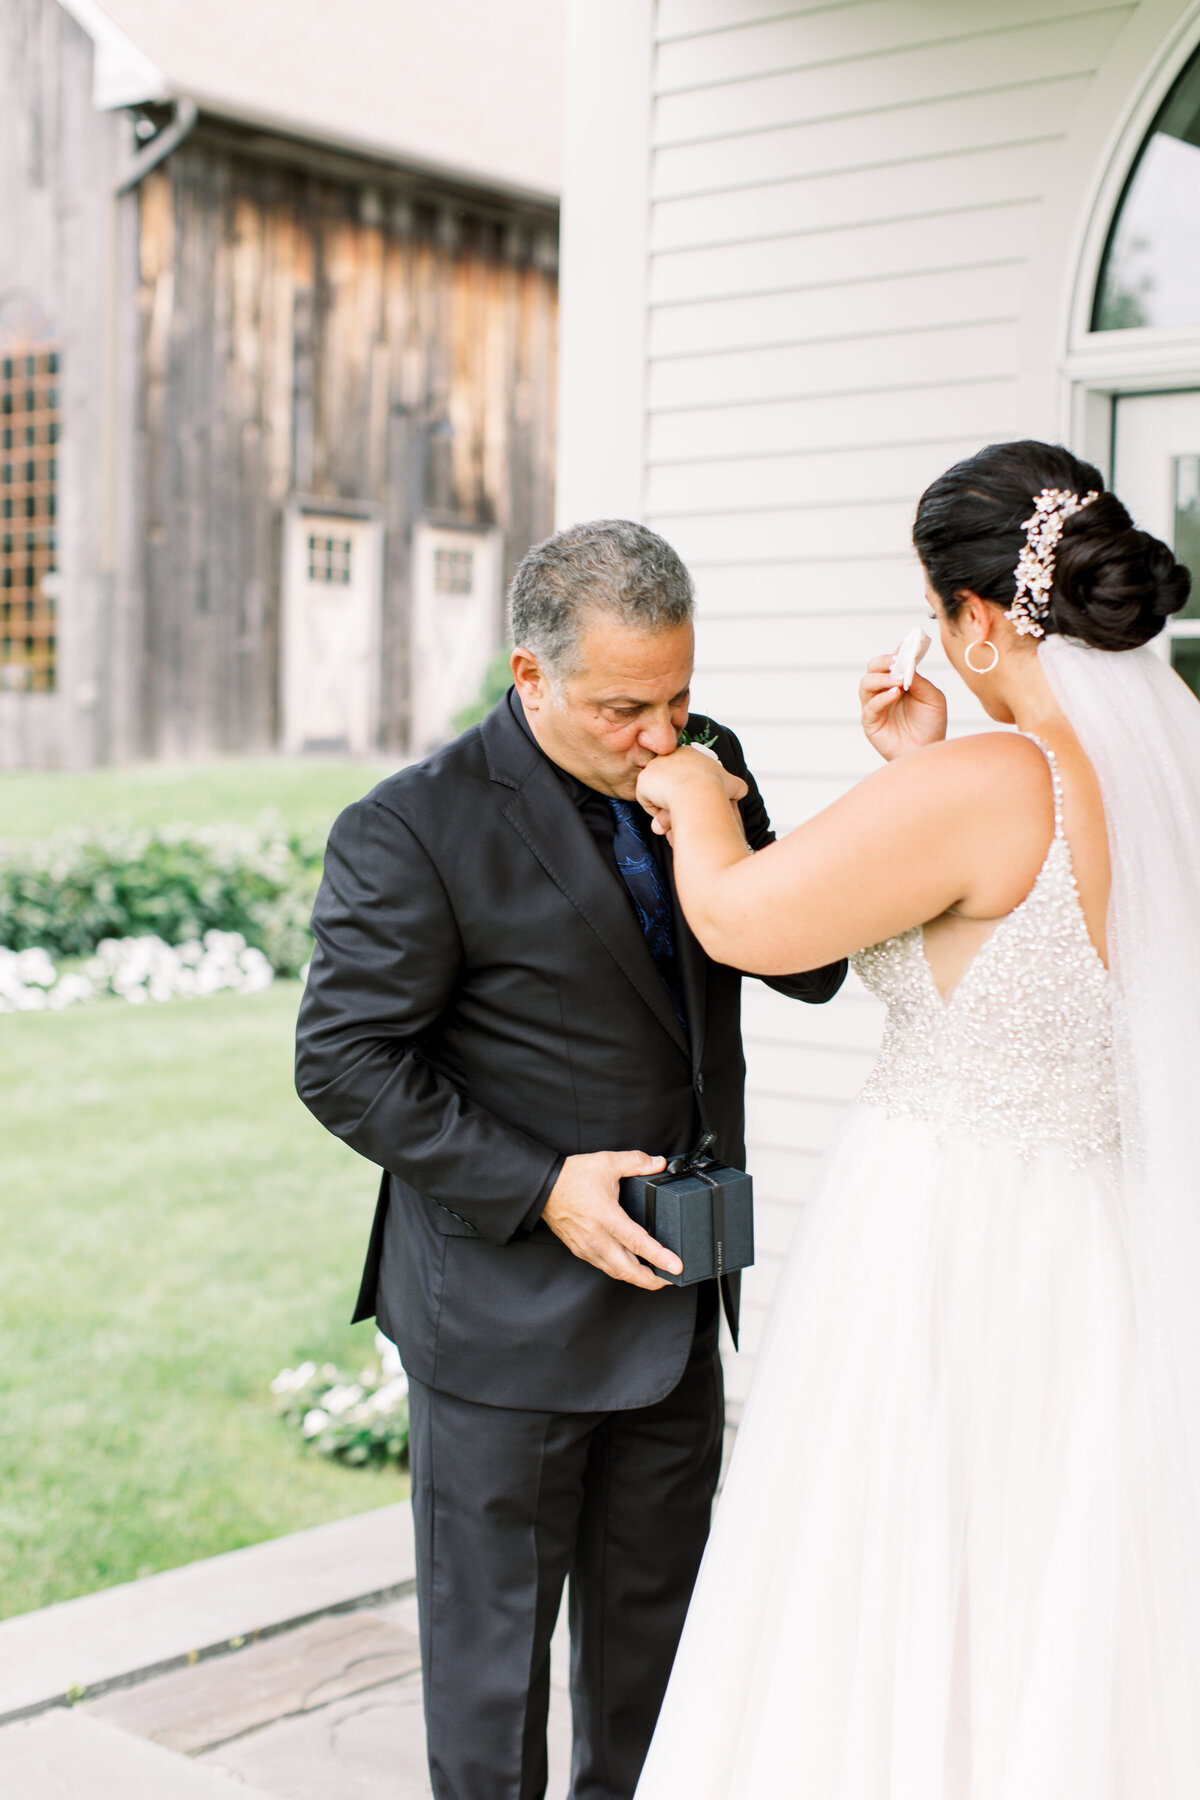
(695, 1162)
(640, 1195)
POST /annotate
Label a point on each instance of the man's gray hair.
(609, 566)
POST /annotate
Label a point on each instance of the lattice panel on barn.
(28, 480)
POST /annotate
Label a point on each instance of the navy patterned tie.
(648, 891)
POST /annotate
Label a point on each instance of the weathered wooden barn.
(277, 367)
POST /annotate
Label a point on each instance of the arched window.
(29, 429)
(1151, 269)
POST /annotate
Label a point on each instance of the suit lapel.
(544, 816)
(541, 812)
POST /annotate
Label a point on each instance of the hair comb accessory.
(1035, 565)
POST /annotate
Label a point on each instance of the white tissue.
(909, 652)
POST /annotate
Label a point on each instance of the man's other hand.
(584, 1211)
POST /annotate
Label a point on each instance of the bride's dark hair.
(1114, 586)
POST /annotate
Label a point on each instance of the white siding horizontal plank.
(932, 128)
(758, 1293)
(687, 18)
(823, 642)
(736, 589)
(888, 473)
(837, 749)
(791, 799)
(902, 359)
(785, 1122)
(852, 1020)
(975, 238)
(853, 84)
(820, 1074)
(934, 186)
(801, 41)
(772, 698)
(775, 1223)
(852, 310)
(987, 410)
(774, 748)
(779, 694)
(874, 529)
(784, 1171)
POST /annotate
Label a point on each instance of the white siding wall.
(841, 205)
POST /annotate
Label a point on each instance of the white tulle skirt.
(945, 1565)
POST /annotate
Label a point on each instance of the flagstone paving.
(330, 1711)
(287, 1707)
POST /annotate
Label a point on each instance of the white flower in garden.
(290, 1381)
(389, 1356)
(340, 1399)
(35, 968)
(69, 989)
(386, 1401)
(314, 1422)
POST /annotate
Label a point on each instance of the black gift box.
(701, 1210)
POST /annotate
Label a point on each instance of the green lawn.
(307, 792)
(174, 1228)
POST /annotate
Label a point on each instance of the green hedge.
(66, 893)
(497, 680)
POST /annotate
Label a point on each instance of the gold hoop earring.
(979, 646)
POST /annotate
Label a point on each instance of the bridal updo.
(1114, 586)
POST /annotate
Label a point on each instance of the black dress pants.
(508, 1505)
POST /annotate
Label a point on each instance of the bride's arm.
(959, 821)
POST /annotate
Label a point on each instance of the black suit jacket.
(481, 1002)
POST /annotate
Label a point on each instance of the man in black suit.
(506, 1011)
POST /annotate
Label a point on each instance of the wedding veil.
(1140, 728)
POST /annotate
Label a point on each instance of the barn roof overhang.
(511, 163)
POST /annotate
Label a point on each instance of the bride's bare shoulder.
(985, 761)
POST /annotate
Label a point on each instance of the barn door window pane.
(453, 571)
(1151, 269)
(328, 559)
(28, 508)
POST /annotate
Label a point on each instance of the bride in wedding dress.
(957, 1556)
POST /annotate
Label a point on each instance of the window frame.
(30, 649)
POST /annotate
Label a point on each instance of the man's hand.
(584, 1211)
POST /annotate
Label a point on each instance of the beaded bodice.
(1022, 1047)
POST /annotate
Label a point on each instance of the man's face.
(625, 703)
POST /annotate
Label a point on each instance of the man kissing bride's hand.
(663, 778)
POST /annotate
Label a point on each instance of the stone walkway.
(297, 1700)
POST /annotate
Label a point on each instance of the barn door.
(456, 625)
(331, 607)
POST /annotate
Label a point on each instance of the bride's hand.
(662, 779)
(896, 722)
